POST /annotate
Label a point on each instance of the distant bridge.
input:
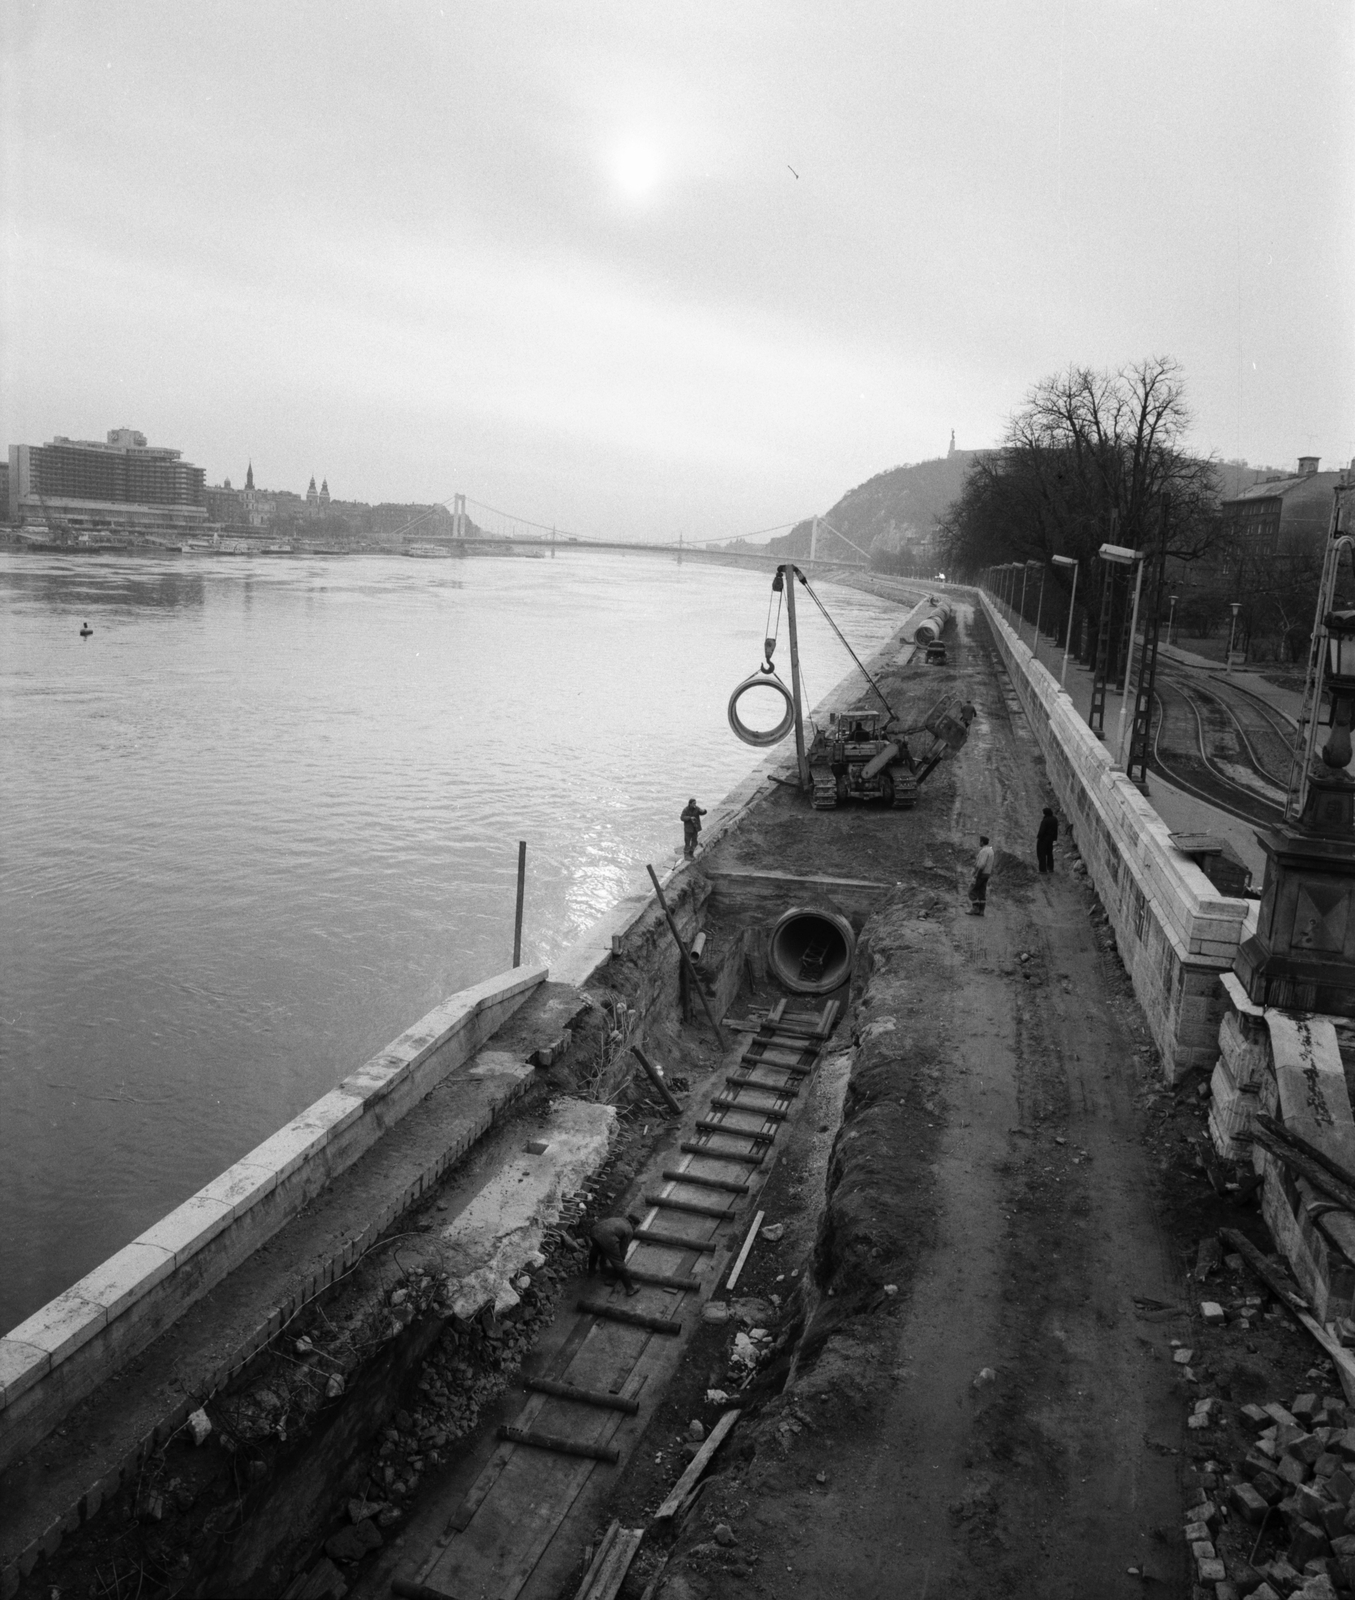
(758, 559)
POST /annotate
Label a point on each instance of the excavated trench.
(313, 1458)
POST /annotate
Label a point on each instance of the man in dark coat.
(691, 826)
(609, 1238)
(1044, 840)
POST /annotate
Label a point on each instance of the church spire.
(249, 476)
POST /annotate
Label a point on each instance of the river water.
(267, 814)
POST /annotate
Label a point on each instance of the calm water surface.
(267, 816)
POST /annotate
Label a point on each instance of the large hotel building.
(123, 486)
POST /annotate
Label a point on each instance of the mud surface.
(978, 1402)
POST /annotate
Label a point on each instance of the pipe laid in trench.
(811, 951)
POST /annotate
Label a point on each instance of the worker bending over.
(609, 1239)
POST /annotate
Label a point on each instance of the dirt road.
(983, 1401)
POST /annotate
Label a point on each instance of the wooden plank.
(736, 1133)
(767, 1113)
(595, 1565)
(735, 1081)
(673, 1241)
(695, 1207)
(730, 1185)
(747, 1157)
(829, 1017)
(558, 1444)
(1294, 1302)
(747, 1246)
(699, 1462)
(616, 1564)
(632, 1319)
(587, 1397)
(489, 1475)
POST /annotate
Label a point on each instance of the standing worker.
(691, 826)
(983, 870)
(1044, 840)
(608, 1239)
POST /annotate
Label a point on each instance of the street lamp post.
(1039, 609)
(1232, 632)
(1067, 561)
(1171, 619)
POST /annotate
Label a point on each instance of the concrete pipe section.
(811, 951)
(761, 737)
(933, 623)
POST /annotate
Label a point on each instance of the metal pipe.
(801, 758)
(1039, 610)
(1072, 613)
(1133, 630)
(522, 887)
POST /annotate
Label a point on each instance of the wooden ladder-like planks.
(723, 1156)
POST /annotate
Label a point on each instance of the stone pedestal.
(1302, 955)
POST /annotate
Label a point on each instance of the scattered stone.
(724, 1534)
(1213, 1313)
(1183, 1357)
(891, 1288)
(774, 1233)
(715, 1311)
(986, 1375)
(820, 1477)
(716, 1397)
(201, 1425)
(695, 1430)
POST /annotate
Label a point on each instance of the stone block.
(1211, 1569)
(1293, 1471)
(61, 1326)
(375, 1080)
(120, 1281)
(1248, 1503)
(292, 1146)
(1309, 1541)
(241, 1186)
(188, 1227)
(21, 1366)
(333, 1112)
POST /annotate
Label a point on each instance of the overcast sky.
(647, 269)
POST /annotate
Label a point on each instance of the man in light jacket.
(983, 870)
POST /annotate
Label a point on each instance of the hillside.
(895, 511)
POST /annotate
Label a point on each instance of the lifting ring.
(764, 678)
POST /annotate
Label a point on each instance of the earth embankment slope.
(976, 1405)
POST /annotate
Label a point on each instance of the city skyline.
(645, 275)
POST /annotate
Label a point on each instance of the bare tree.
(1087, 458)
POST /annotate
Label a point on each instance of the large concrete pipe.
(811, 951)
(934, 622)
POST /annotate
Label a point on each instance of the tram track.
(1231, 755)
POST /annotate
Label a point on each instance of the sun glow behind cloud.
(636, 169)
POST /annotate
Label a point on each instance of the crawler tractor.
(859, 758)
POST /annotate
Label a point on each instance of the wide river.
(266, 816)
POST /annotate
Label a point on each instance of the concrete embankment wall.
(1176, 934)
(68, 1347)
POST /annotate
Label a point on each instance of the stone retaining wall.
(1176, 934)
(72, 1344)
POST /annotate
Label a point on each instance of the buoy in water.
(85, 630)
